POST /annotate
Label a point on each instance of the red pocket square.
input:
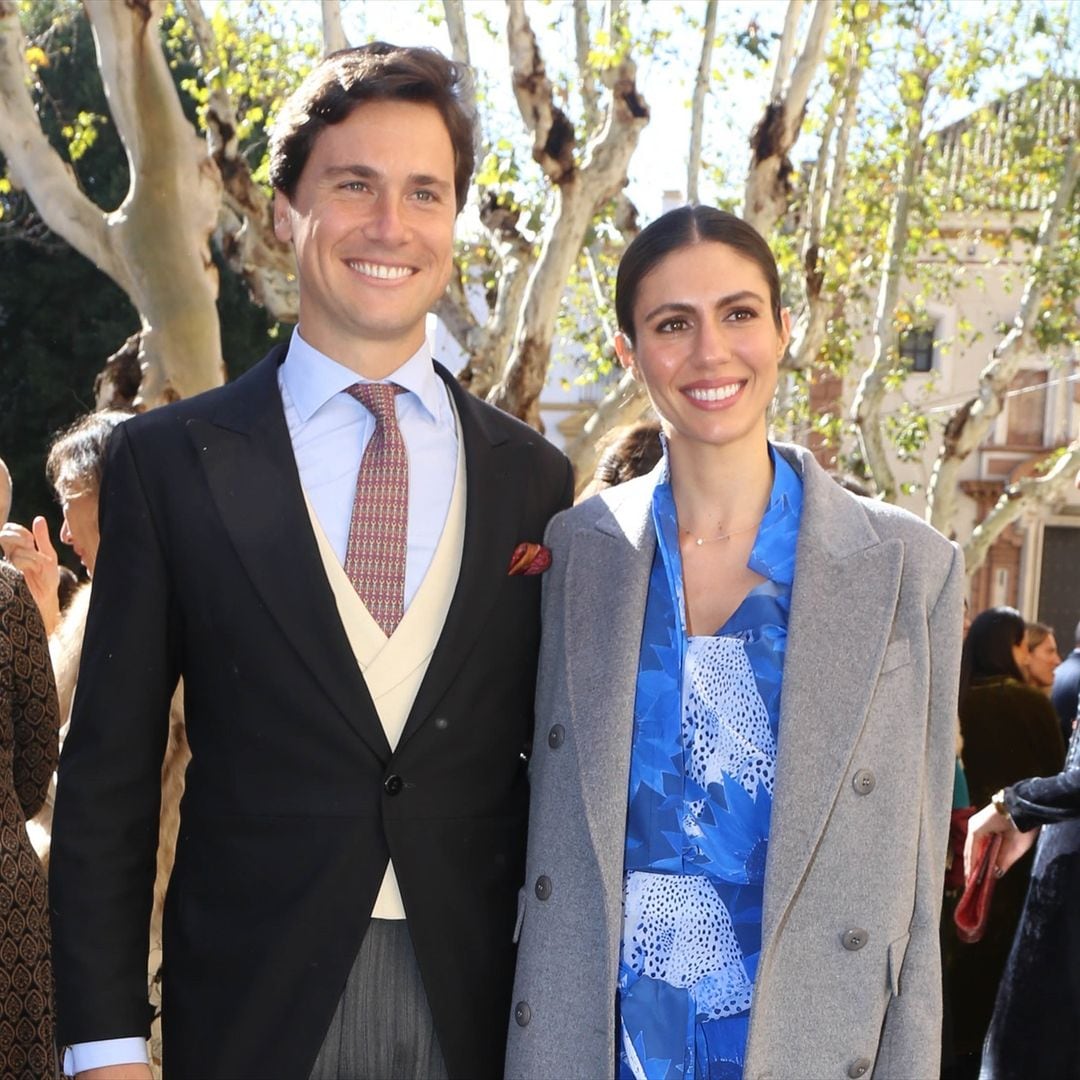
(529, 559)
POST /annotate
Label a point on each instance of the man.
(1066, 689)
(326, 564)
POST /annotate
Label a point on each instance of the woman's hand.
(983, 826)
(33, 554)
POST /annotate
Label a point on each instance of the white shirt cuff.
(96, 1055)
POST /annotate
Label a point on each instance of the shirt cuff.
(96, 1055)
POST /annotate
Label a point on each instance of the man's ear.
(624, 350)
(282, 217)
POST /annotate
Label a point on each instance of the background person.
(1043, 657)
(736, 837)
(1034, 1030)
(1066, 689)
(1009, 732)
(28, 751)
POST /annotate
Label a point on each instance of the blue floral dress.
(701, 783)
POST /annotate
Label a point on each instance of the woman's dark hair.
(77, 456)
(684, 227)
(632, 452)
(988, 647)
(347, 79)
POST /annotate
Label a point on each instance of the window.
(917, 347)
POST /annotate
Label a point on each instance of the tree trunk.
(697, 111)
(971, 423)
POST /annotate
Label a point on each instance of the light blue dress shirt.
(329, 430)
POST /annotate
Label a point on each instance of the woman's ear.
(624, 350)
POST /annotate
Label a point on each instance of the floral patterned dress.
(702, 768)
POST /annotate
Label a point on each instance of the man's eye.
(425, 196)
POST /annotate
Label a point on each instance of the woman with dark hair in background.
(743, 759)
(1010, 732)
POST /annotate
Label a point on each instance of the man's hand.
(985, 824)
(117, 1072)
(33, 554)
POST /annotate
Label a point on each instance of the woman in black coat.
(1034, 1031)
(1010, 732)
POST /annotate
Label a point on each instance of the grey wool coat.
(848, 983)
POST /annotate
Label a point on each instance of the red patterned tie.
(378, 532)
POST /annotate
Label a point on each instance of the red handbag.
(974, 908)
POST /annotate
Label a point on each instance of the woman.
(1043, 656)
(1034, 1030)
(741, 740)
(28, 752)
(1010, 731)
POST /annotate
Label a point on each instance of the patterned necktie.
(378, 532)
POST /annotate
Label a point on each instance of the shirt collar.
(312, 379)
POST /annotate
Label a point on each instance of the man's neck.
(372, 360)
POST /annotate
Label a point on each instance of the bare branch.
(590, 95)
(697, 112)
(768, 186)
(552, 132)
(34, 166)
(871, 391)
(333, 31)
(1025, 494)
(786, 51)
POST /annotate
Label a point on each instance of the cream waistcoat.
(394, 667)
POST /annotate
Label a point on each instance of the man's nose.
(387, 222)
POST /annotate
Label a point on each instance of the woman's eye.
(669, 326)
(741, 314)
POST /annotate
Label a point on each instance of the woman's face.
(80, 528)
(1042, 660)
(705, 344)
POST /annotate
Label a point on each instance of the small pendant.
(699, 541)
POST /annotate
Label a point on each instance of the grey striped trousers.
(382, 1029)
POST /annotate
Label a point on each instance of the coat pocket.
(897, 950)
(520, 914)
(897, 654)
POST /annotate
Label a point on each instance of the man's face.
(372, 225)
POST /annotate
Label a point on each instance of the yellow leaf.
(36, 57)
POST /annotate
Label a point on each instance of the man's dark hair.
(347, 79)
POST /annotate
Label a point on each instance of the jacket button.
(858, 1068)
(543, 887)
(854, 940)
(863, 782)
(522, 1013)
(555, 737)
(392, 785)
(441, 723)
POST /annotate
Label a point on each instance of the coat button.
(863, 782)
(854, 940)
(392, 785)
(859, 1067)
(543, 887)
(441, 723)
(555, 737)
(522, 1013)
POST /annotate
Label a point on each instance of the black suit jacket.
(208, 569)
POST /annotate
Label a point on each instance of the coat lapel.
(247, 456)
(843, 603)
(492, 520)
(607, 582)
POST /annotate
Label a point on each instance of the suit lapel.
(247, 456)
(843, 603)
(492, 521)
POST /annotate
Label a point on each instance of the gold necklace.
(700, 541)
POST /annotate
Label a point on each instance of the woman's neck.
(720, 489)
